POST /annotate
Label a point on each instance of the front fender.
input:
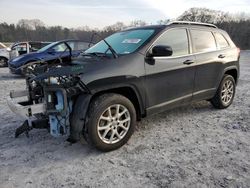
(78, 116)
(136, 84)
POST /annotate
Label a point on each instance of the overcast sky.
(100, 13)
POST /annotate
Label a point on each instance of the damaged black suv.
(131, 74)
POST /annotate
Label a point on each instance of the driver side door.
(169, 80)
(59, 52)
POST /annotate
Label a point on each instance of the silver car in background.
(4, 55)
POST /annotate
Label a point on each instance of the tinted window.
(72, 45)
(221, 41)
(47, 47)
(177, 39)
(203, 41)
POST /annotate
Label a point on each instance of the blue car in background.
(56, 51)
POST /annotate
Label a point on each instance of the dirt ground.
(192, 146)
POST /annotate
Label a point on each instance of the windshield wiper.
(111, 49)
(115, 55)
(95, 54)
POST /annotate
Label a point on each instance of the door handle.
(221, 56)
(188, 62)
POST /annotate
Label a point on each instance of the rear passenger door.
(208, 64)
(170, 80)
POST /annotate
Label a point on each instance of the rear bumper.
(23, 108)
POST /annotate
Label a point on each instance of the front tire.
(225, 93)
(110, 122)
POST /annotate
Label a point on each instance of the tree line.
(35, 30)
(238, 27)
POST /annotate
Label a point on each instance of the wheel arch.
(4, 57)
(129, 92)
(233, 71)
(82, 102)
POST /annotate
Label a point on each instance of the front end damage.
(49, 98)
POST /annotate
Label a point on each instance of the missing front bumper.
(25, 108)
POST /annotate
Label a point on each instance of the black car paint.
(165, 83)
(153, 84)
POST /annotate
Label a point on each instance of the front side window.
(177, 39)
(203, 41)
(124, 42)
(46, 47)
(221, 41)
(60, 48)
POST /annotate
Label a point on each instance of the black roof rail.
(192, 23)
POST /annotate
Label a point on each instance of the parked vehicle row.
(21, 48)
(17, 49)
(60, 51)
(22, 53)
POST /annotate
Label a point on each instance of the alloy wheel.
(113, 124)
(227, 92)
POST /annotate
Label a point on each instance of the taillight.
(238, 50)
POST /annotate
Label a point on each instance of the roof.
(192, 23)
(177, 23)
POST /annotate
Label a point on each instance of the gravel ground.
(192, 146)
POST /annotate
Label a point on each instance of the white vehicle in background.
(17, 49)
(4, 55)
(21, 48)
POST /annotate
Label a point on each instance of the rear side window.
(203, 41)
(177, 39)
(221, 41)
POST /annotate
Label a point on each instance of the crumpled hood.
(79, 66)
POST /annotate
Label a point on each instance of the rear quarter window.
(203, 41)
(221, 41)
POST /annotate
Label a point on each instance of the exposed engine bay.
(50, 94)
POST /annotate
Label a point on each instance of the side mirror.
(161, 51)
(8, 49)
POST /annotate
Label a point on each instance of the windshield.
(47, 47)
(124, 42)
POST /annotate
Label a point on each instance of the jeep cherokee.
(129, 75)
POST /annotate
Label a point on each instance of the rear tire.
(110, 122)
(225, 93)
